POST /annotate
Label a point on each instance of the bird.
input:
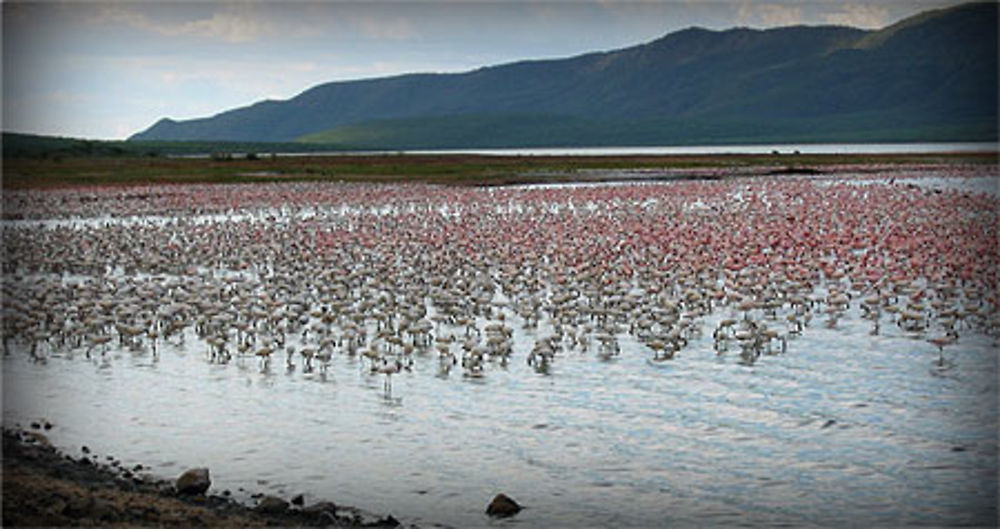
(388, 369)
(941, 342)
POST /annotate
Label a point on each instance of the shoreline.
(43, 486)
(449, 170)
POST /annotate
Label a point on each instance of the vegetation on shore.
(448, 169)
(18, 146)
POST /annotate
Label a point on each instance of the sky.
(106, 70)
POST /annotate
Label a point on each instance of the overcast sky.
(108, 70)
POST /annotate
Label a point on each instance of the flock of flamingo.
(303, 274)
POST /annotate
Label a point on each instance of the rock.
(298, 500)
(199, 500)
(194, 481)
(37, 438)
(56, 506)
(102, 510)
(321, 507)
(503, 506)
(271, 505)
(78, 507)
(388, 521)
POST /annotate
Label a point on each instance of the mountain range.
(931, 77)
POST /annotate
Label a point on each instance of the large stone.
(503, 506)
(271, 505)
(194, 481)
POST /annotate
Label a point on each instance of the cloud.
(385, 29)
(768, 15)
(867, 16)
(234, 24)
(48, 112)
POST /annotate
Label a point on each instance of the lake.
(669, 150)
(701, 353)
(782, 148)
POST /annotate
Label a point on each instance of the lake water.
(666, 150)
(845, 428)
(783, 148)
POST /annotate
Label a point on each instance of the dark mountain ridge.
(930, 77)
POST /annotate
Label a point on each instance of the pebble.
(102, 510)
(321, 507)
(77, 507)
(39, 438)
(271, 505)
(388, 521)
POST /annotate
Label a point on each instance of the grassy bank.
(449, 169)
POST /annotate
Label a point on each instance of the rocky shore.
(44, 487)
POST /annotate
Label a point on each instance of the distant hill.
(932, 77)
(17, 145)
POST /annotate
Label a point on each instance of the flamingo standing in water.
(941, 342)
(388, 369)
(762, 249)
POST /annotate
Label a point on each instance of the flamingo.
(388, 369)
(941, 342)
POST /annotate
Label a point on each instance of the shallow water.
(783, 148)
(845, 428)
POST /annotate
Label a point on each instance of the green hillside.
(930, 78)
(511, 131)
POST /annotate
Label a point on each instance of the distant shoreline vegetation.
(62, 162)
(18, 145)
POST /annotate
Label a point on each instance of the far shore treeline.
(16, 145)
